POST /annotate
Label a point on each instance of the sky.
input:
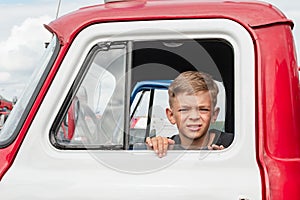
(22, 35)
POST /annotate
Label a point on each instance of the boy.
(192, 101)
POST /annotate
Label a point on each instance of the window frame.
(73, 91)
(231, 35)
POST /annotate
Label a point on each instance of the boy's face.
(192, 114)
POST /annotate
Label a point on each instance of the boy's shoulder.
(222, 138)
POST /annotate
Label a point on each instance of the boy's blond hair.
(191, 82)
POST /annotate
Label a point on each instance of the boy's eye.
(204, 110)
(183, 109)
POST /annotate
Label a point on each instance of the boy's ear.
(170, 116)
(215, 114)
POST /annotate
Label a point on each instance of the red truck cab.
(71, 136)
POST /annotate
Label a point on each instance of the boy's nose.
(194, 114)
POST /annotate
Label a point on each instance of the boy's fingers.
(161, 146)
(171, 144)
(149, 142)
(170, 141)
(154, 144)
(216, 147)
(165, 145)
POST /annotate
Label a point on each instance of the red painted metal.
(277, 89)
(69, 25)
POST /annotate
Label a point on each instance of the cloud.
(20, 53)
(4, 76)
(24, 45)
(22, 38)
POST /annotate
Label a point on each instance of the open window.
(120, 95)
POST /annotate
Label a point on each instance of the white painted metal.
(41, 171)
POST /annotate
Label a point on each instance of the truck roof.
(250, 14)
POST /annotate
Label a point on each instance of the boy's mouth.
(194, 127)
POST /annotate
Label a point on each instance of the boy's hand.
(216, 147)
(159, 144)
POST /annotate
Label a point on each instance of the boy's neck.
(198, 143)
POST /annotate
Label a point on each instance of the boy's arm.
(159, 144)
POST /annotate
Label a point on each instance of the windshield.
(23, 106)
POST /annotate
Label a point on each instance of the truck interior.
(156, 62)
(165, 60)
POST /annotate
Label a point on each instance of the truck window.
(20, 111)
(120, 96)
(165, 60)
(95, 114)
